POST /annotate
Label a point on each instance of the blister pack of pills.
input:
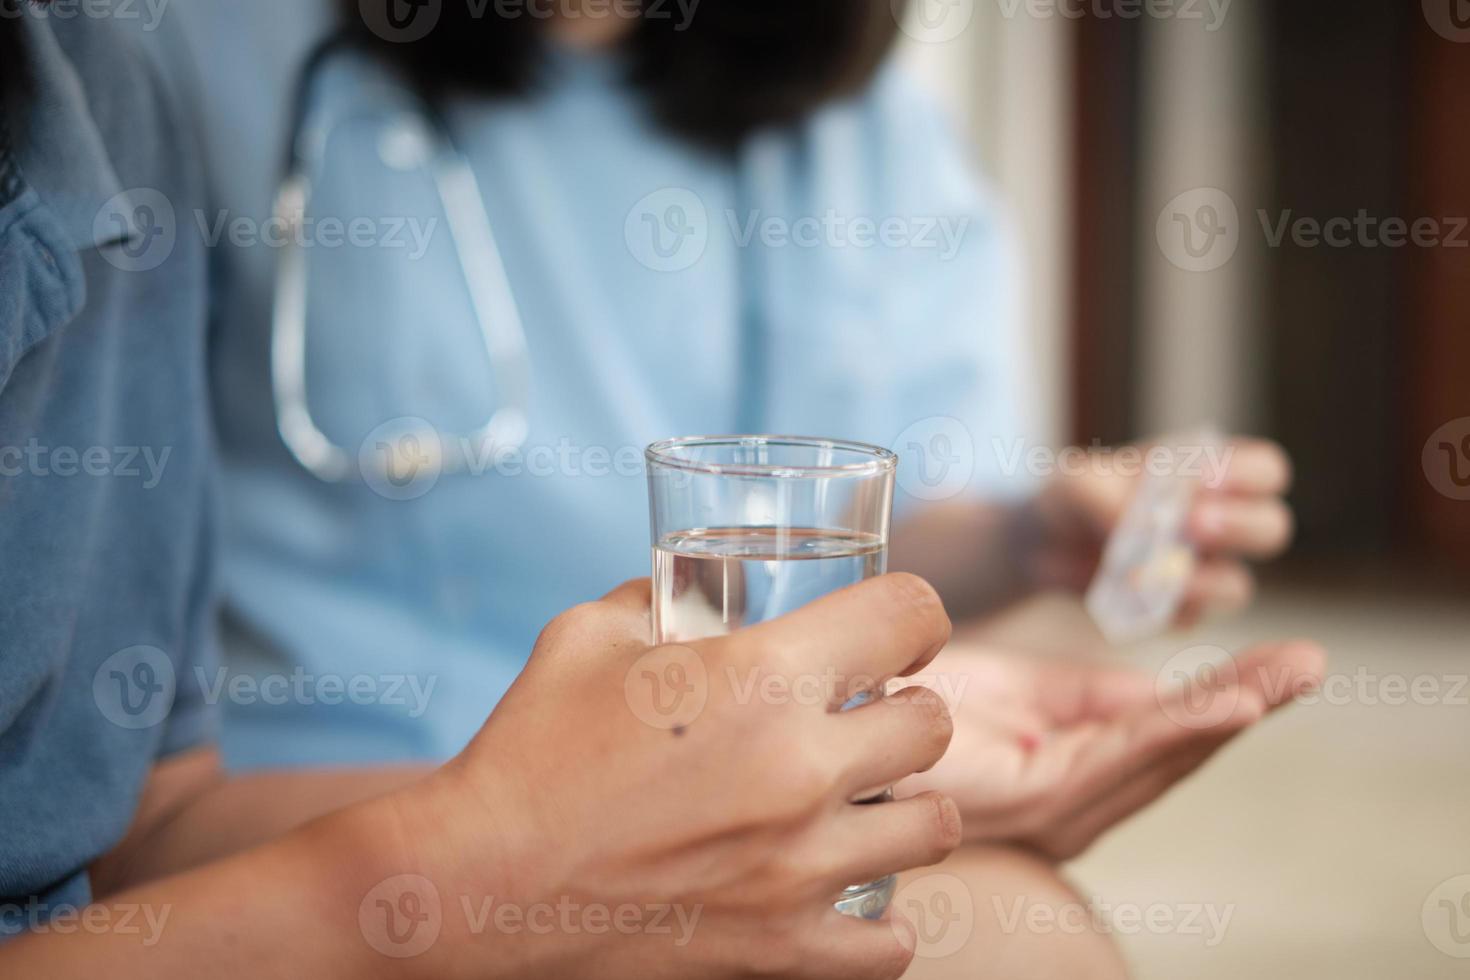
(1149, 559)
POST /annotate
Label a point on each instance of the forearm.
(981, 557)
(288, 908)
(192, 813)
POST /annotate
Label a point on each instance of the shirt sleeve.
(890, 309)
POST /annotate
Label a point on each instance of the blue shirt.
(104, 451)
(847, 278)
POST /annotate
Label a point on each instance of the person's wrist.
(355, 860)
(1030, 533)
(391, 876)
(469, 837)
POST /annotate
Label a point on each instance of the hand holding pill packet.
(1149, 558)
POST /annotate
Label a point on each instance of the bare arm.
(285, 909)
(978, 556)
(191, 813)
(982, 557)
(572, 800)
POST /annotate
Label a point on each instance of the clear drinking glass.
(748, 528)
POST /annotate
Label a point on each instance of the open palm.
(1050, 755)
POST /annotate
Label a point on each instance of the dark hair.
(712, 73)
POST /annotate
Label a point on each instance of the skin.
(1241, 517)
(590, 26)
(1076, 749)
(1046, 758)
(1049, 756)
(745, 815)
(982, 557)
(687, 819)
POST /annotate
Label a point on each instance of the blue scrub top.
(846, 278)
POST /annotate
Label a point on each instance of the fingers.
(886, 626)
(841, 947)
(867, 841)
(904, 733)
(1243, 513)
(1282, 672)
(1083, 827)
(1091, 761)
(1217, 585)
(1256, 467)
(1254, 527)
(1269, 676)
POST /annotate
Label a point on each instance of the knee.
(1004, 914)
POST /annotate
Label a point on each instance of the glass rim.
(879, 460)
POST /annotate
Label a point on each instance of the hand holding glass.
(749, 528)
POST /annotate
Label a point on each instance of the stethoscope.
(419, 140)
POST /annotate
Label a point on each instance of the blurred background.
(1254, 212)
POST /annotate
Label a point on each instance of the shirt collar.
(57, 148)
